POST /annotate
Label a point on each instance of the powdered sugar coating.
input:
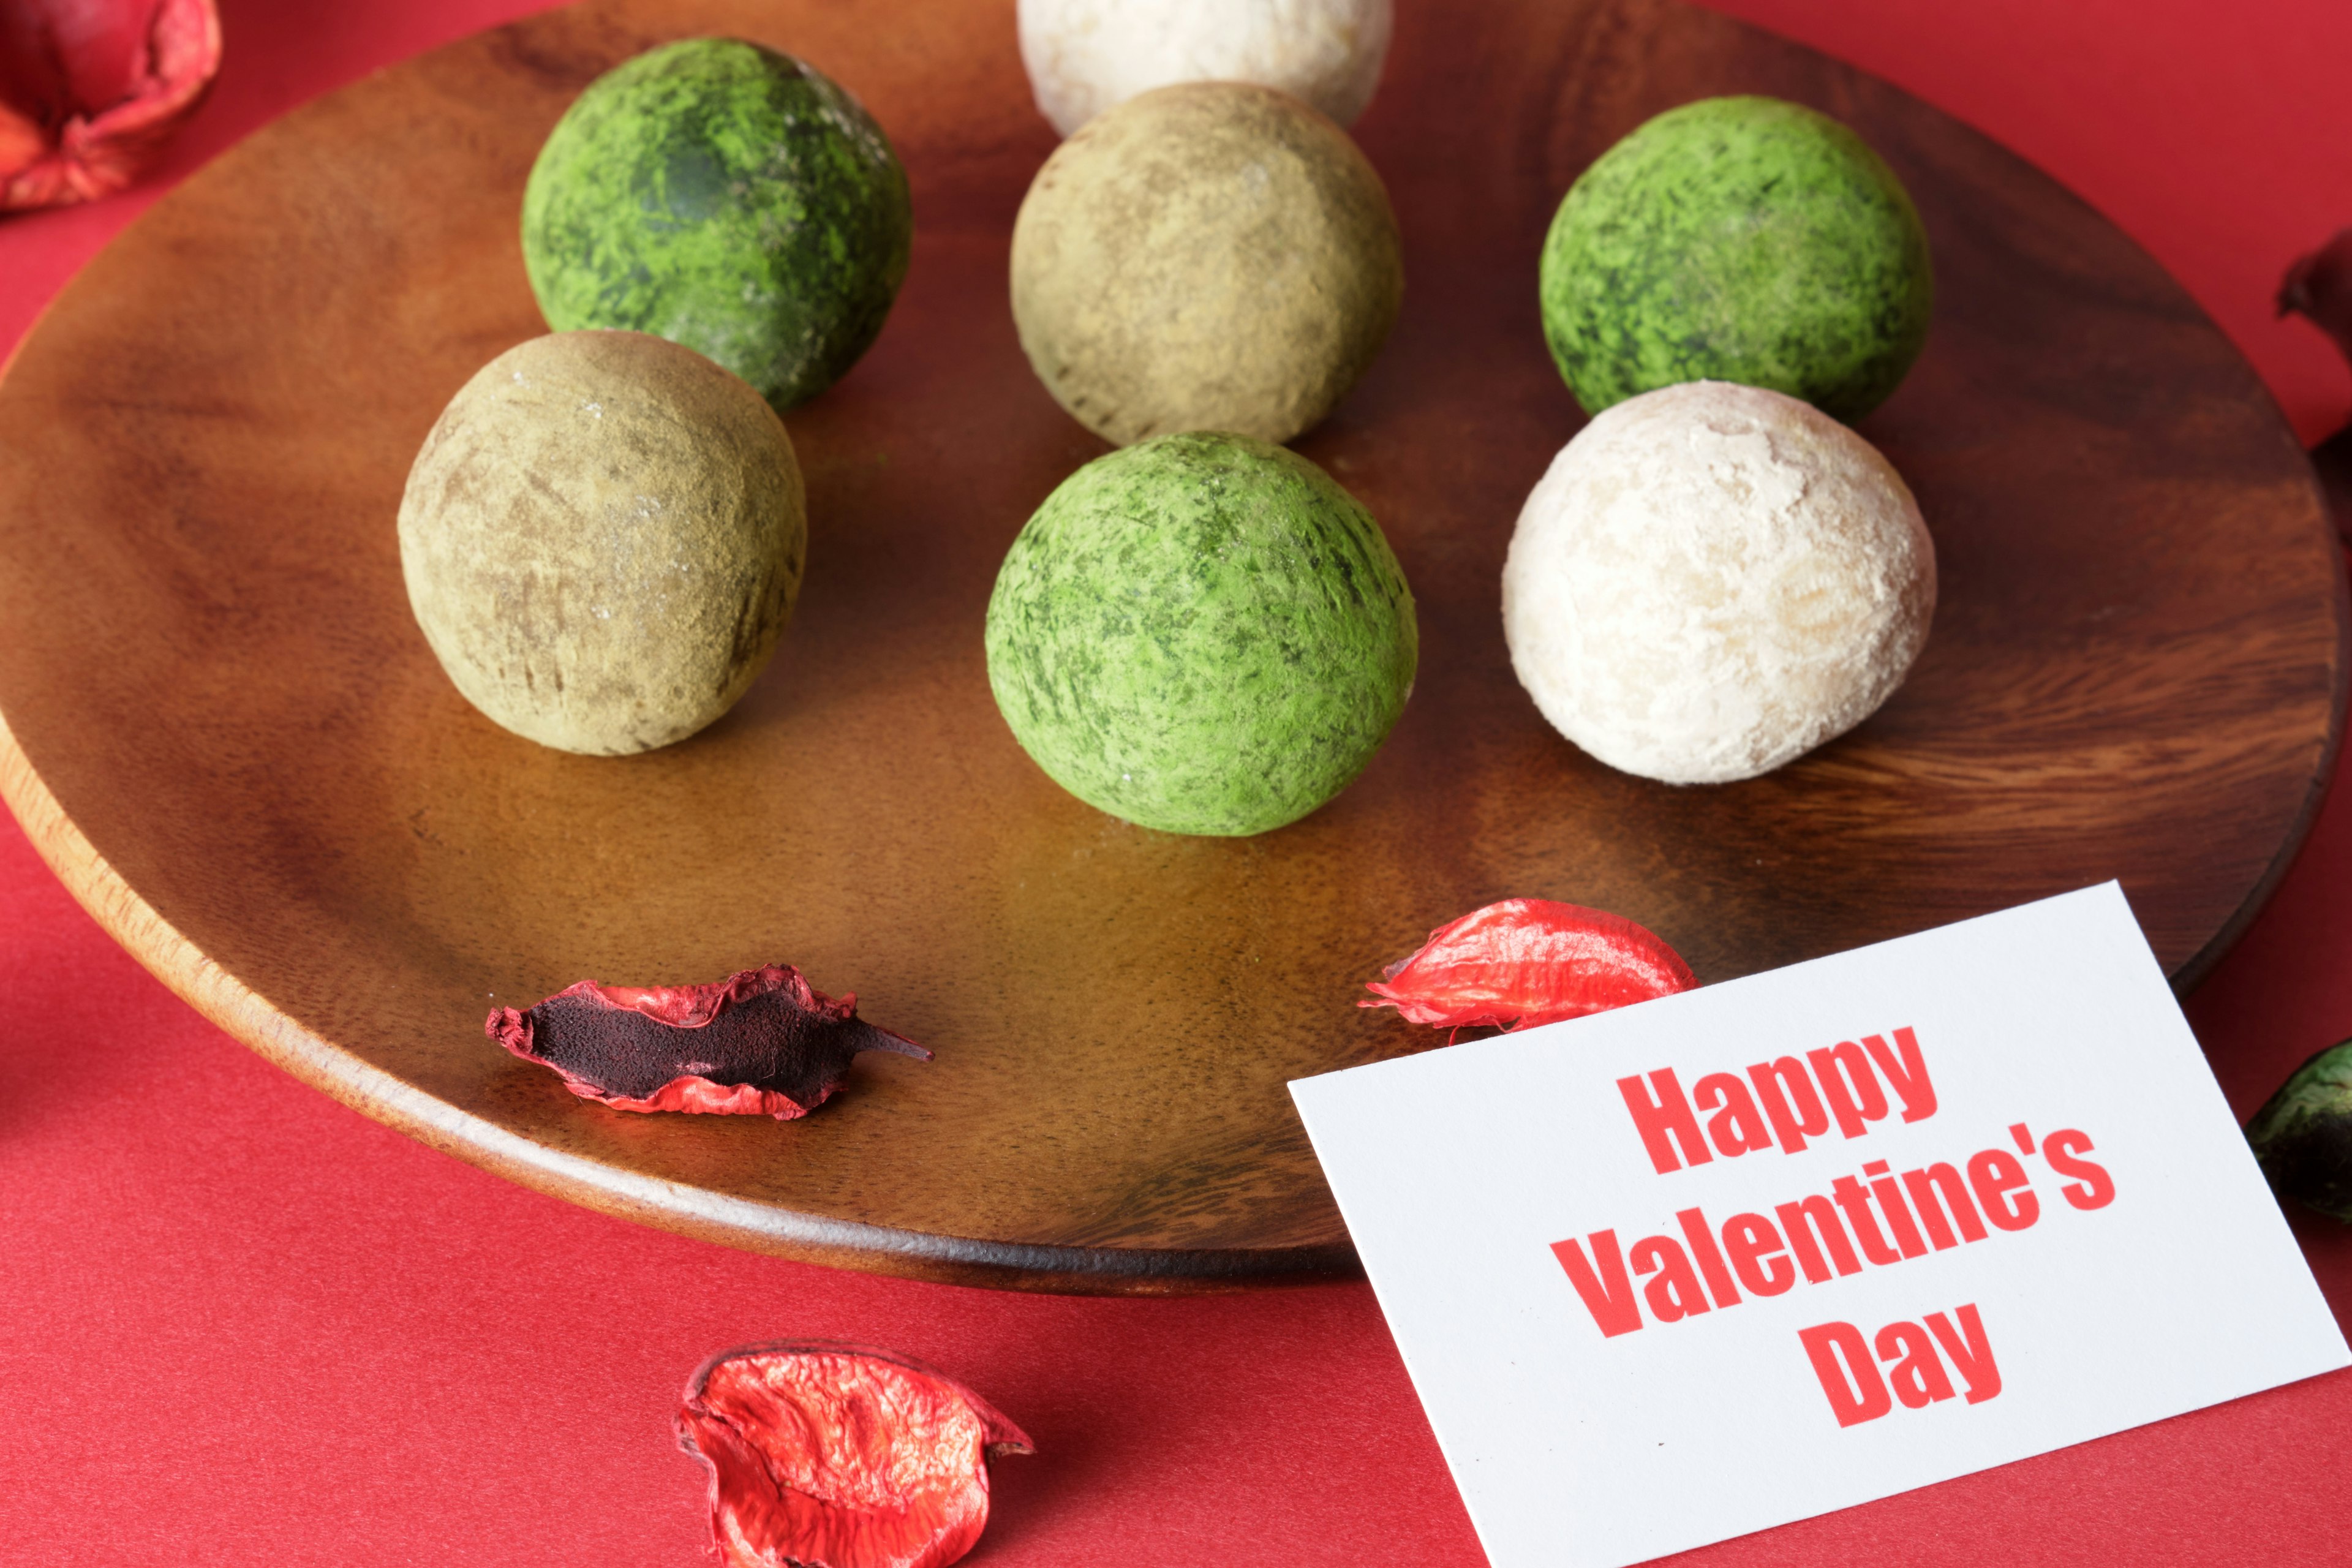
(1712, 580)
(1086, 55)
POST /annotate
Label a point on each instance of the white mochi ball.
(1085, 55)
(1712, 580)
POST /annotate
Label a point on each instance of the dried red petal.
(2320, 285)
(833, 1456)
(763, 1042)
(1524, 961)
(91, 90)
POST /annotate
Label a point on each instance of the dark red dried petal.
(2320, 285)
(763, 1042)
(91, 90)
(834, 1456)
(1524, 961)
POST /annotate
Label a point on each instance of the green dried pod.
(2303, 1136)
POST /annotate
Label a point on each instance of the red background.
(240, 1323)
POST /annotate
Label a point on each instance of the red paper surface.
(239, 1323)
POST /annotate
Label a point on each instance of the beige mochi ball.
(1086, 55)
(1208, 256)
(1712, 580)
(602, 537)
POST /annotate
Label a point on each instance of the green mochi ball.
(1201, 634)
(726, 197)
(1739, 239)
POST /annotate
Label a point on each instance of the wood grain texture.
(229, 738)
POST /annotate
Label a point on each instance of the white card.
(2132, 1265)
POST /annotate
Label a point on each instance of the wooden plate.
(233, 744)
